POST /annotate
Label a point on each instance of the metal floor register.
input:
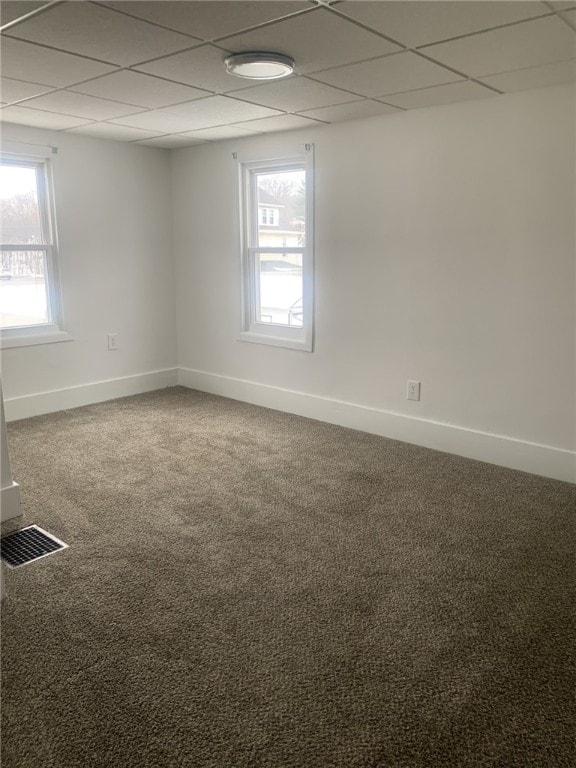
(27, 545)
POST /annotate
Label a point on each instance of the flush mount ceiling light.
(258, 65)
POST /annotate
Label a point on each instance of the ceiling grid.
(153, 72)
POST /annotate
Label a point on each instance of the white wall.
(445, 252)
(113, 205)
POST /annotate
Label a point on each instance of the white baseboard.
(85, 394)
(10, 502)
(505, 451)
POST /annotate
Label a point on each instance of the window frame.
(275, 334)
(39, 158)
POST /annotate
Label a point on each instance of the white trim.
(290, 152)
(10, 502)
(274, 339)
(505, 451)
(24, 148)
(9, 490)
(86, 394)
(17, 337)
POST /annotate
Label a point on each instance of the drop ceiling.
(152, 72)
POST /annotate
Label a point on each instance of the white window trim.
(52, 331)
(301, 338)
(32, 335)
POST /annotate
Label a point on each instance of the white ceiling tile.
(137, 88)
(528, 44)
(90, 30)
(39, 118)
(113, 132)
(534, 77)
(78, 105)
(202, 67)
(351, 111)
(282, 123)
(294, 94)
(162, 122)
(171, 94)
(217, 110)
(25, 61)
(390, 74)
(315, 40)
(222, 132)
(10, 11)
(14, 90)
(171, 142)
(209, 20)
(440, 94)
(418, 23)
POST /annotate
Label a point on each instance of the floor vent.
(28, 544)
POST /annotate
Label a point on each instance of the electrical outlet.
(413, 390)
(112, 341)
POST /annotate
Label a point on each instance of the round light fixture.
(258, 65)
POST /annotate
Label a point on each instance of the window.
(269, 216)
(277, 263)
(30, 310)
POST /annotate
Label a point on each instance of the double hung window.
(30, 308)
(277, 253)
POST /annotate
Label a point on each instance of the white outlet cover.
(413, 390)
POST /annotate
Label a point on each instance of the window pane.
(23, 298)
(281, 208)
(279, 288)
(20, 220)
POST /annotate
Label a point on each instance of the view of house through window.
(24, 245)
(281, 199)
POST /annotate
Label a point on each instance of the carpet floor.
(250, 589)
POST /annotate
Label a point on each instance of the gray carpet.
(245, 588)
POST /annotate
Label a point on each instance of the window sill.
(304, 345)
(10, 339)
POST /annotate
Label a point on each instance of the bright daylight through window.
(277, 251)
(29, 306)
